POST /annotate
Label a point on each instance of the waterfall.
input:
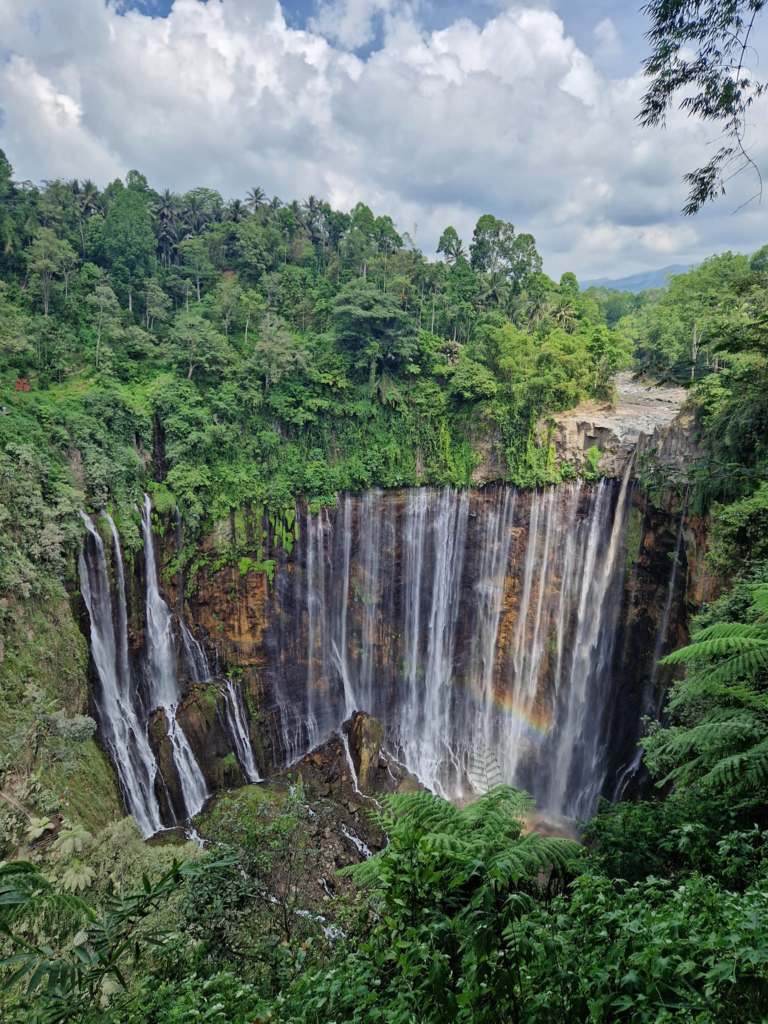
(196, 659)
(122, 734)
(466, 622)
(163, 686)
(489, 597)
(238, 729)
(473, 624)
(370, 530)
(422, 728)
(661, 636)
(579, 745)
(339, 645)
(234, 710)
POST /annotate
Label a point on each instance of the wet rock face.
(438, 626)
(364, 735)
(167, 783)
(346, 622)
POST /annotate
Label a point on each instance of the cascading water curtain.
(466, 622)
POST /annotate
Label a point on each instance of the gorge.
(520, 626)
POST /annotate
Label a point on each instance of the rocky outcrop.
(644, 422)
(364, 735)
(375, 771)
(489, 450)
(202, 717)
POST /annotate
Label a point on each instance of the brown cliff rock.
(364, 736)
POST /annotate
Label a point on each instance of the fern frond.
(754, 770)
(741, 771)
(759, 597)
(756, 702)
(729, 629)
(484, 771)
(750, 664)
(716, 647)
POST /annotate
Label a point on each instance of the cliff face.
(480, 641)
(519, 630)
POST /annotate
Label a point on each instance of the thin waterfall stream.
(236, 719)
(162, 682)
(121, 732)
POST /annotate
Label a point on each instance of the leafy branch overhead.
(704, 52)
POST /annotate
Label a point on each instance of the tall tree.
(49, 257)
(251, 250)
(373, 325)
(277, 352)
(196, 344)
(128, 242)
(256, 198)
(194, 255)
(165, 216)
(106, 313)
(451, 246)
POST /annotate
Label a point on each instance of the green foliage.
(718, 741)
(277, 350)
(65, 981)
(127, 241)
(261, 351)
(649, 952)
(739, 533)
(699, 47)
(592, 458)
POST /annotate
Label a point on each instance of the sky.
(433, 111)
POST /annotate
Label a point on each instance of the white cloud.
(434, 127)
(607, 38)
(350, 23)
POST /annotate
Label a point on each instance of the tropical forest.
(383, 629)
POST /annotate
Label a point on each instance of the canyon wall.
(524, 624)
(517, 629)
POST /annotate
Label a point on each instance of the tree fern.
(488, 831)
(484, 771)
(719, 739)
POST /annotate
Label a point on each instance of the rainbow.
(533, 723)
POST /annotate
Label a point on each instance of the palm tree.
(86, 204)
(494, 289)
(167, 206)
(298, 214)
(564, 314)
(255, 199)
(165, 217)
(313, 208)
(195, 214)
(216, 209)
(236, 211)
(89, 198)
(536, 308)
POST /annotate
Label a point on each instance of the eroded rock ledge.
(644, 419)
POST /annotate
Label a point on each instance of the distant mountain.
(639, 282)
